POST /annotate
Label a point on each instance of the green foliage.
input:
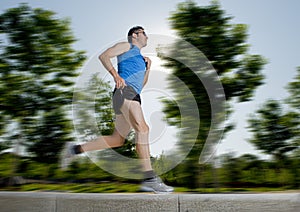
(128, 149)
(4, 145)
(38, 66)
(294, 102)
(92, 109)
(224, 44)
(83, 176)
(294, 90)
(47, 136)
(6, 165)
(249, 171)
(273, 130)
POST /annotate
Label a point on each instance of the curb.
(88, 202)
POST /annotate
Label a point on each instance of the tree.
(38, 66)
(277, 132)
(294, 102)
(224, 44)
(273, 130)
(47, 135)
(92, 109)
(294, 89)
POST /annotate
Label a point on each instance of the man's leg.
(132, 111)
(122, 128)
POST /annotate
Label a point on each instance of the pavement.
(144, 202)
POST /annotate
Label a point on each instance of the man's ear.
(134, 35)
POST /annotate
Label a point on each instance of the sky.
(274, 33)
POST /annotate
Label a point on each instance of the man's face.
(141, 37)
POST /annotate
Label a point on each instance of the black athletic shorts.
(126, 93)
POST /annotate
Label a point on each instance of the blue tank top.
(132, 67)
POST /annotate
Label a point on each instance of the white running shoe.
(156, 185)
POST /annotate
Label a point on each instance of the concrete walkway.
(144, 202)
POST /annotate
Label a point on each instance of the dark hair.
(131, 31)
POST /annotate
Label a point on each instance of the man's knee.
(119, 140)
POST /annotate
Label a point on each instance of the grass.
(115, 187)
(76, 188)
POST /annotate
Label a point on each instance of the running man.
(131, 77)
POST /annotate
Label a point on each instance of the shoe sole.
(148, 189)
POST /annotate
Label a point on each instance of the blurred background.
(252, 45)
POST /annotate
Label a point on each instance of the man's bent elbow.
(101, 57)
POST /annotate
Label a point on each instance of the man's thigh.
(133, 113)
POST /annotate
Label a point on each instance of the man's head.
(137, 35)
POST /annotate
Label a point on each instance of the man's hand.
(120, 82)
(148, 66)
(148, 63)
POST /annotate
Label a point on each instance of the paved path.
(144, 202)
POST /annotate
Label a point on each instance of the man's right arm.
(105, 59)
